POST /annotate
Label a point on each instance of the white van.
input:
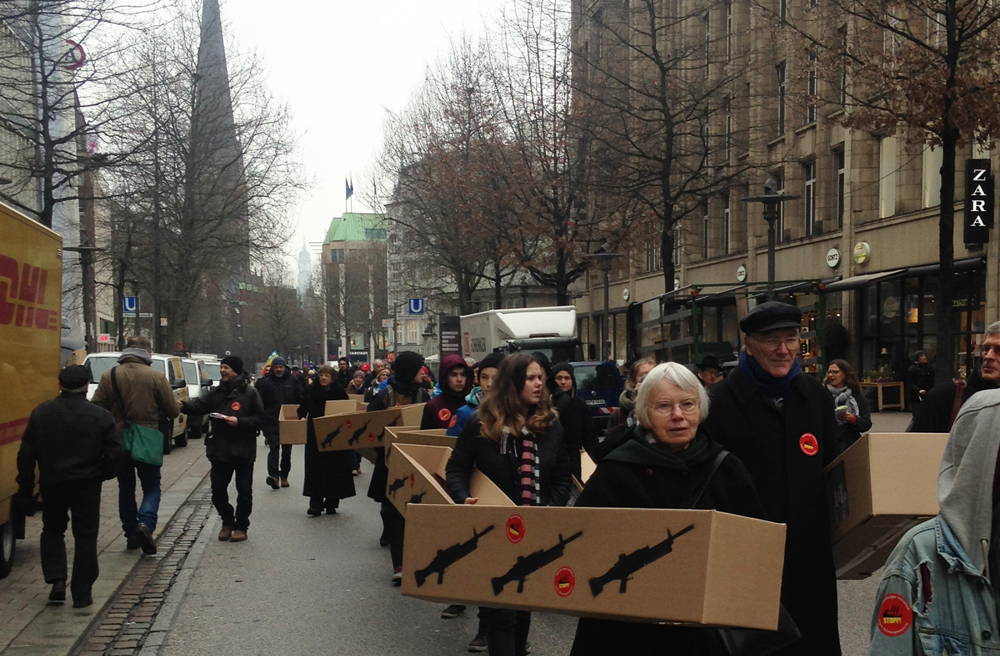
(198, 383)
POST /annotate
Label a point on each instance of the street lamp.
(605, 258)
(772, 211)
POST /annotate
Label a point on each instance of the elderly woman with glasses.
(666, 462)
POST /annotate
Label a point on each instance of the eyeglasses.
(666, 408)
(772, 343)
(985, 349)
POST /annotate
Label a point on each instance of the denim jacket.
(932, 600)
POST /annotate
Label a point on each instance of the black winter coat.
(775, 446)
(72, 440)
(848, 434)
(578, 428)
(632, 483)
(380, 473)
(934, 413)
(472, 451)
(326, 474)
(918, 377)
(234, 398)
(274, 393)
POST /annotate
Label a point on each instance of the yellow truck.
(30, 330)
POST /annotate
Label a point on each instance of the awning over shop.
(857, 282)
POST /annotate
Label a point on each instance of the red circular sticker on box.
(348, 424)
(895, 615)
(371, 436)
(809, 444)
(565, 582)
(236, 406)
(515, 529)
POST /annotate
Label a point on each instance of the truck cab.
(600, 385)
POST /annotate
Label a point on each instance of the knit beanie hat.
(233, 363)
(491, 361)
(407, 366)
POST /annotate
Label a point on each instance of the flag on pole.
(267, 364)
(349, 188)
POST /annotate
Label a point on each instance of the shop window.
(933, 159)
(887, 177)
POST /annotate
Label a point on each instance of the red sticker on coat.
(809, 444)
(444, 414)
(454, 420)
(895, 615)
(565, 582)
(515, 529)
(236, 406)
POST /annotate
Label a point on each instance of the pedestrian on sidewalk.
(919, 381)
(517, 442)
(77, 447)
(276, 389)
(236, 413)
(403, 389)
(328, 476)
(143, 395)
(854, 416)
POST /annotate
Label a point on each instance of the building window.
(727, 225)
(729, 128)
(780, 70)
(887, 177)
(813, 3)
(677, 248)
(933, 159)
(729, 30)
(653, 262)
(399, 332)
(412, 331)
(783, 10)
(841, 185)
(809, 173)
(704, 231)
(779, 225)
(842, 81)
(708, 43)
(811, 88)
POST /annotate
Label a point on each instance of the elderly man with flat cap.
(77, 447)
(781, 424)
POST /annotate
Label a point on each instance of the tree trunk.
(945, 363)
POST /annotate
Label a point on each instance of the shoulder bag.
(750, 642)
(142, 444)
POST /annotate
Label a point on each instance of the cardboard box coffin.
(878, 489)
(291, 429)
(409, 435)
(339, 407)
(688, 566)
(362, 430)
(357, 398)
(417, 475)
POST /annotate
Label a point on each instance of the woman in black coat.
(664, 464)
(854, 415)
(578, 425)
(328, 475)
(513, 424)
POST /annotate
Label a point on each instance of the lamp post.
(605, 259)
(772, 211)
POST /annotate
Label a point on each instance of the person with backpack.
(941, 404)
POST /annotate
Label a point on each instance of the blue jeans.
(149, 478)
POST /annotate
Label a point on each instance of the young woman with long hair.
(516, 440)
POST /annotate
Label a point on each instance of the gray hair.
(677, 374)
(993, 328)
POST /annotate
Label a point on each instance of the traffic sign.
(104, 338)
(415, 306)
(130, 304)
(387, 323)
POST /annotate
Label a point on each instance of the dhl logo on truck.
(20, 285)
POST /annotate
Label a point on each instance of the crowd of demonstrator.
(753, 443)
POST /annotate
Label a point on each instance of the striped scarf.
(527, 468)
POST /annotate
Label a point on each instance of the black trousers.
(83, 500)
(506, 630)
(274, 468)
(393, 527)
(222, 474)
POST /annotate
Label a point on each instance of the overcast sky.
(340, 64)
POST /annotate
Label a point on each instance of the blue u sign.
(415, 306)
(130, 304)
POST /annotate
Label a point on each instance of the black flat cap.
(74, 377)
(771, 316)
(710, 362)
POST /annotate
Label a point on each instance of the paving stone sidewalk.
(28, 624)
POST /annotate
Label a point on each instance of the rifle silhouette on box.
(357, 434)
(417, 498)
(628, 564)
(531, 563)
(332, 436)
(397, 484)
(445, 558)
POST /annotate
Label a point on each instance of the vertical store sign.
(979, 192)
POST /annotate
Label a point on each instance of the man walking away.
(937, 412)
(276, 389)
(145, 394)
(77, 447)
(232, 446)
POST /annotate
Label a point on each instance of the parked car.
(198, 383)
(599, 384)
(169, 366)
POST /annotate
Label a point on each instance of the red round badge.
(236, 406)
(454, 420)
(895, 615)
(371, 436)
(565, 582)
(515, 529)
(348, 424)
(413, 479)
(809, 444)
(444, 414)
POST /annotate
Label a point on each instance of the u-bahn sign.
(979, 192)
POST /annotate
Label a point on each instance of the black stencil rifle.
(330, 437)
(531, 563)
(445, 558)
(628, 564)
(357, 434)
(397, 484)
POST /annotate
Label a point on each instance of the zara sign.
(979, 190)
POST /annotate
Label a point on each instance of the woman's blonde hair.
(503, 406)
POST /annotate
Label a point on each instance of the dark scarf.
(409, 390)
(317, 392)
(238, 384)
(640, 451)
(771, 387)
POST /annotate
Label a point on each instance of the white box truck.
(550, 330)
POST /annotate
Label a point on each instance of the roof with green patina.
(356, 226)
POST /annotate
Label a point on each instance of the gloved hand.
(23, 505)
